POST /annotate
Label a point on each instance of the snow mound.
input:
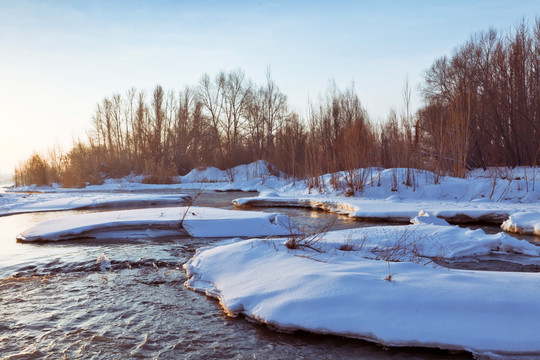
(16, 203)
(256, 170)
(427, 218)
(523, 223)
(208, 174)
(419, 243)
(481, 312)
(177, 221)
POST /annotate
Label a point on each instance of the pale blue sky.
(59, 58)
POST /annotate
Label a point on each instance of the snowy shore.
(398, 195)
(479, 199)
(486, 313)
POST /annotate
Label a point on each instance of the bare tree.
(210, 94)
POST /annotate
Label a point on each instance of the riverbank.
(489, 196)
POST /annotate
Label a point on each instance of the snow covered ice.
(177, 221)
(17, 203)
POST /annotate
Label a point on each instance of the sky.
(58, 59)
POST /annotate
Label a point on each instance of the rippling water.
(56, 303)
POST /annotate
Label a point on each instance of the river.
(56, 303)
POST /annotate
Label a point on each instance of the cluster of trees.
(482, 108)
(483, 102)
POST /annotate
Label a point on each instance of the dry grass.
(305, 239)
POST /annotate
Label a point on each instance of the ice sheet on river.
(16, 203)
(339, 291)
(197, 222)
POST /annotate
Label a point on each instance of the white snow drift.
(17, 203)
(428, 238)
(194, 221)
(393, 303)
(251, 177)
(523, 223)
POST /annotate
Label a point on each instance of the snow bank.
(251, 177)
(428, 238)
(420, 185)
(486, 313)
(491, 185)
(523, 223)
(497, 185)
(197, 221)
(399, 194)
(518, 173)
(256, 176)
(16, 203)
(255, 170)
(391, 209)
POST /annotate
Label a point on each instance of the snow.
(423, 185)
(426, 218)
(16, 203)
(386, 197)
(373, 283)
(382, 209)
(176, 221)
(242, 173)
(485, 196)
(128, 191)
(523, 223)
(251, 177)
(429, 237)
(104, 262)
(343, 293)
(481, 186)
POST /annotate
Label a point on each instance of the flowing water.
(55, 302)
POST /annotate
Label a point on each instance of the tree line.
(483, 102)
(481, 108)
